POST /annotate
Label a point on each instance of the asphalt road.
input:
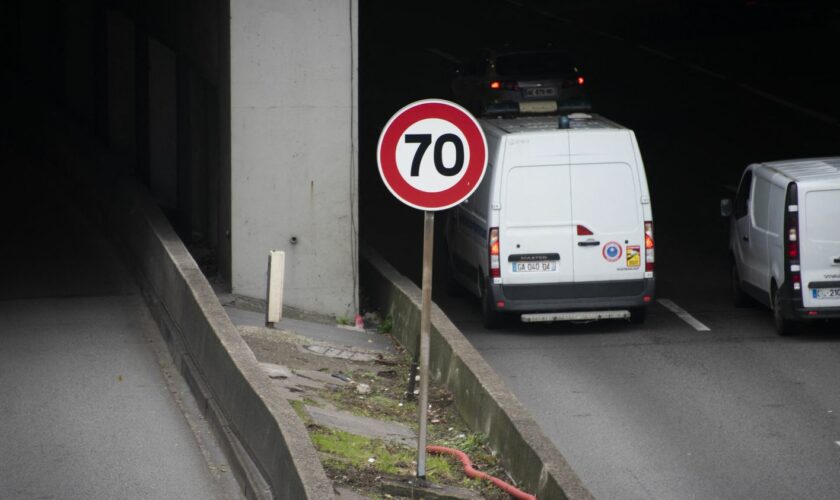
(91, 406)
(661, 410)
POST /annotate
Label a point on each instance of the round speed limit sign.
(432, 154)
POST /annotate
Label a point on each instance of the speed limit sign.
(432, 154)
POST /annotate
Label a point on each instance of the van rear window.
(537, 196)
(605, 197)
(823, 215)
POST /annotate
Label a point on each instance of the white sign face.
(432, 154)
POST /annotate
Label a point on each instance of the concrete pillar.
(293, 122)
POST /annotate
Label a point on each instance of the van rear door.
(535, 230)
(608, 219)
(819, 225)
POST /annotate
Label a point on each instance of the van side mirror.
(725, 207)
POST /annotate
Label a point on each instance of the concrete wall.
(293, 149)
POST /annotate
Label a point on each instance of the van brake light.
(649, 254)
(495, 270)
(792, 268)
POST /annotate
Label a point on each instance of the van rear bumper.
(588, 296)
(792, 308)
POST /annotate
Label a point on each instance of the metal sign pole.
(425, 331)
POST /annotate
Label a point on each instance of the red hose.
(468, 468)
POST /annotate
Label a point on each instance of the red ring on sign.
(387, 153)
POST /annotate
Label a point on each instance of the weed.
(343, 320)
(386, 324)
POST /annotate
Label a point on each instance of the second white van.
(561, 226)
(785, 239)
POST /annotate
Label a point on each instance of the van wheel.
(637, 315)
(739, 298)
(785, 327)
(492, 319)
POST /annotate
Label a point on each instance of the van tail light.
(649, 254)
(495, 270)
(583, 231)
(792, 269)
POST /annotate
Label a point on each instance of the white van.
(561, 227)
(785, 239)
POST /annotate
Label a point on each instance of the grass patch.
(351, 452)
(346, 456)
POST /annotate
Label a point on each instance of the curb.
(481, 396)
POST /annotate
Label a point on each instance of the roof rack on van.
(571, 121)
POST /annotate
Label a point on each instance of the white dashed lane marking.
(684, 315)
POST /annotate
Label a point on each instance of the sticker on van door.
(611, 251)
(634, 258)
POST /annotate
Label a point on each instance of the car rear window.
(534, 64)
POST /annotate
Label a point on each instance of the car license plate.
(538, 107)
(540, 92)
(825, 293)
(542, 266)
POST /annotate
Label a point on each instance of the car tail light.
(573, 82)
(649, 255)
(792, 268)
(495, 270)
(583, 231)
(497, 85)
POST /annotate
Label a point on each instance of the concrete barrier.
(267, 443)
(480, 395)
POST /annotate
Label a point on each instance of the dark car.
(520, 81)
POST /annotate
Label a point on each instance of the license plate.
(825, 293)
(540, 92)
(538, 107)
(542, 266)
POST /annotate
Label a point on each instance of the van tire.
(491, 318)
(739, 297)
(784, 326)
